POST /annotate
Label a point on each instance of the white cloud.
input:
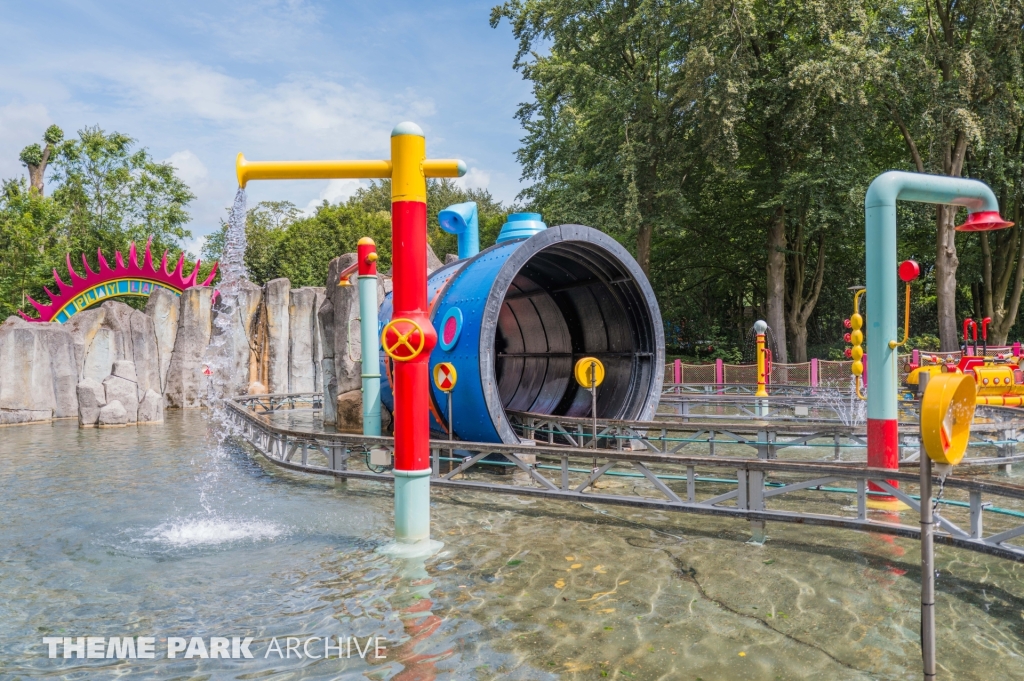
(299, 113)
(189, 167)
(194, 245)
(475, 178)
(334, 191)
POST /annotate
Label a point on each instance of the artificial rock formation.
(38, 372)
(277, 297)
(113, 415)
(91, 398)
(162, 308)
(151, 408)
(186, 382)
(337, 314)
(302, 325)
(122, 386)
(271, 339)
(349, 406)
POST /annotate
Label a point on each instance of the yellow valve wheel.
(947, 410)
(589, 372)
(402, 339)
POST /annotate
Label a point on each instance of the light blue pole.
(880, 247)
(369, 342)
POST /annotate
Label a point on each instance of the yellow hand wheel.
(402, 339)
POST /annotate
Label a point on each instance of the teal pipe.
(370, 371)
(880, 246)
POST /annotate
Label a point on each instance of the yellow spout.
(309, 170)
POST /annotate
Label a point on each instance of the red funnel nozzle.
(984, 221)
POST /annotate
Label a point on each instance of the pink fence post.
(915, 357)
(677, 373)
(1016, 349)
(720, 375)
(814, 372)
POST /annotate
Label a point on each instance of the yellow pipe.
(856, 386)
(309, 170)
(906, 323)
(336, 170)
(761, 368)
(443, 167)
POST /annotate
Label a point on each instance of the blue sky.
(197, 82)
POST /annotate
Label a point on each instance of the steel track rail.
(290, 448)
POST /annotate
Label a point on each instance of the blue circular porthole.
(451, 329)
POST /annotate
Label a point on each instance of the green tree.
(643, 107)
(606, 133)
(115, 193)
(953, 92)
(107, 193)
(32, 244)
(36, 158)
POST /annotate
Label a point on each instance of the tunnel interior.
(570, 300)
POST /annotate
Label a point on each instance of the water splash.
(232, 262)
(221, 354)
(850, 409)
(212, 531)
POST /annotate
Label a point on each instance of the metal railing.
(805, 493)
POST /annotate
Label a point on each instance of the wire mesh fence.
(815, 373)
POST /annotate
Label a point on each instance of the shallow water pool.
(159, 531)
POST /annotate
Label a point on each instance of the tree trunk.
(776, 280)
(800, 303)
(946, 263)
(643, 247)
(37, 173)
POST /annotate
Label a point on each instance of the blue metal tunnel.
(515, 318)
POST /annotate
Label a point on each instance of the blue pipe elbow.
(462, 219)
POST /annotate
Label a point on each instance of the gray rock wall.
(186, 384)
(130, 365)
(278, 298)
(345, 304)
(320, 295)
(329, 383)
(302, 323)
(162, 308)
(37, 369)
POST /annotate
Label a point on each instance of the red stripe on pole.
(883, 447)
(411, 378)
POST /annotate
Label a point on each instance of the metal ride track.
(801, 492)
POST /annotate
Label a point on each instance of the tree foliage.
(107, 192)
(729, 146)
(284, 243)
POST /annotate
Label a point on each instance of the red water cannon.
(968, 325)
(908, 271)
